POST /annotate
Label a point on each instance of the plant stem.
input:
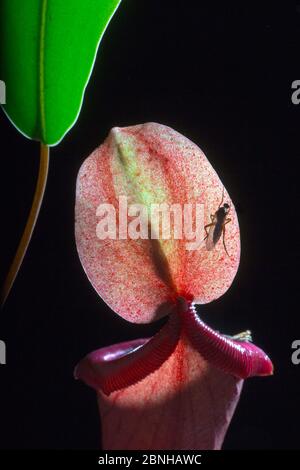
(30, 224)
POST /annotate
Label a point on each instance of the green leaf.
(48, 48)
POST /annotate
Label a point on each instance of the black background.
(221, 75)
